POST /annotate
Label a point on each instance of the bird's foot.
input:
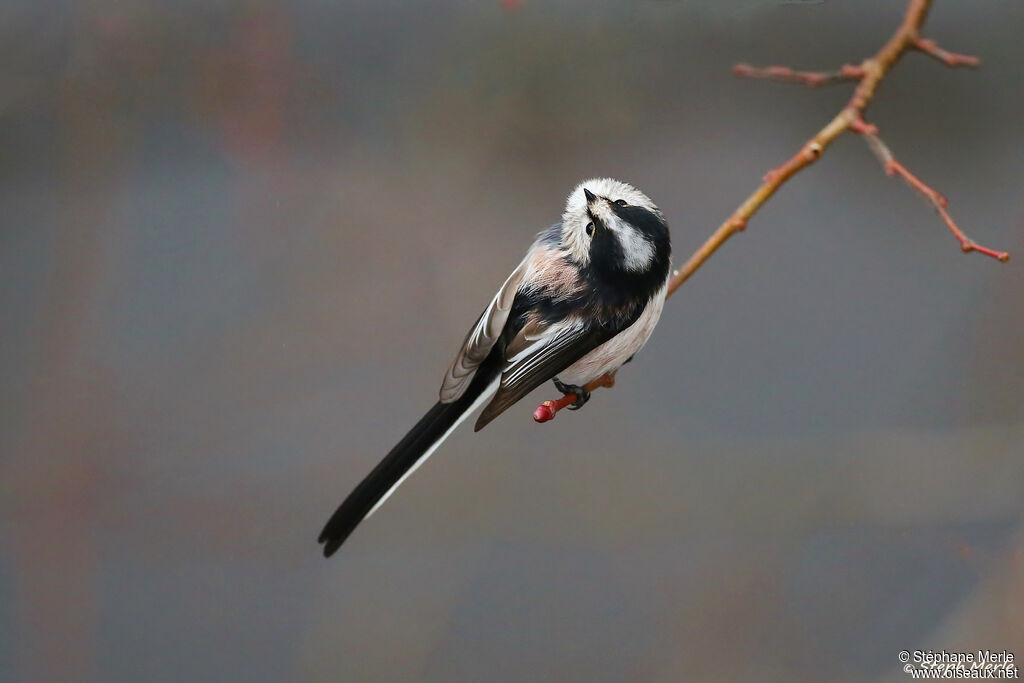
(582, 395)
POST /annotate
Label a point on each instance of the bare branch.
(869, 74)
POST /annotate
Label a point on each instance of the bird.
(582, 302)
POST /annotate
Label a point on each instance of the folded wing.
(481, 338)
(539, 352)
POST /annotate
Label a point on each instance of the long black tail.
(412, 450)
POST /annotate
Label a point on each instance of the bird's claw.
(582, 395)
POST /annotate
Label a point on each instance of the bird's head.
(613, 228)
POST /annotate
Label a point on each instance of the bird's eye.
(620, 202)
(590, 228)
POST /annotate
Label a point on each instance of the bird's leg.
(582, 395)
(546, 411)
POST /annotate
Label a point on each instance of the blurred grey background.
(241, 241)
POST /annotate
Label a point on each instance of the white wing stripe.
(553, 344)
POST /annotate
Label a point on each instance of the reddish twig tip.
(1001, 256)
(952, 59)
(545, 411)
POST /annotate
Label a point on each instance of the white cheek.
(637, 251)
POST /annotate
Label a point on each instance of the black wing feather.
(558, 357)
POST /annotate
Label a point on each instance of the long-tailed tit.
(583, 301)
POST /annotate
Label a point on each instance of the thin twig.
(812, 79)
(893, 167)
(850, 118)
(952, 59)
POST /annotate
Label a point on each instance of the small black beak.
(589, 195)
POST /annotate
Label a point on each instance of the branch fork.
(868, 74)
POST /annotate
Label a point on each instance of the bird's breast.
(617, 350)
